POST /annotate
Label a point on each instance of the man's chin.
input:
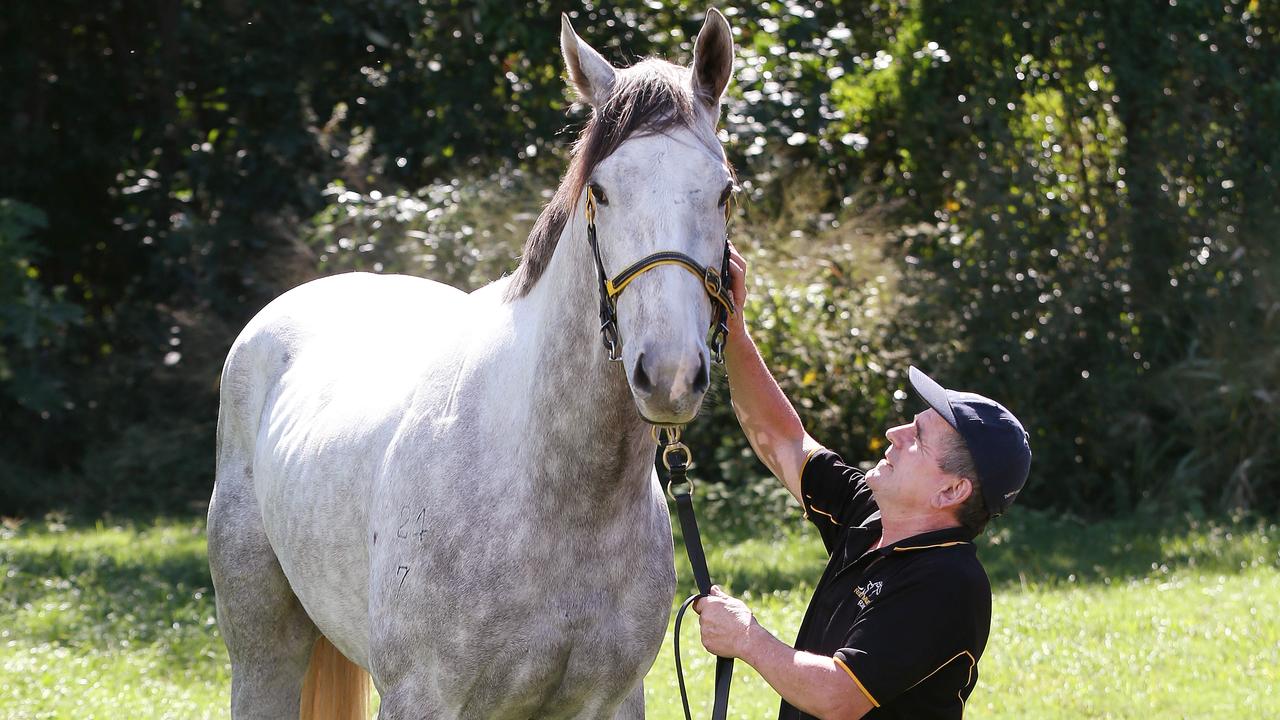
(878, 473)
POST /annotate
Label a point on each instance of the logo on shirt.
(866, 592)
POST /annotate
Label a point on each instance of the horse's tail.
(335, 688)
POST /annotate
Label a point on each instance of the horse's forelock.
(649, 97)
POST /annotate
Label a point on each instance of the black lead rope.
(675, 456)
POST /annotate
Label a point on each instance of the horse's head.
(660, 182)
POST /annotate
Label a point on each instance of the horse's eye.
(724, 196)
(598, 192)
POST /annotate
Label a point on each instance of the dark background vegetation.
(1068, 205)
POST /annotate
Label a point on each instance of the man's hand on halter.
(738, 273)
(726, 624)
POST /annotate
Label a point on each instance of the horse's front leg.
(633, 707)
(410, 703)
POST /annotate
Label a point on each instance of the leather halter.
(717, 285)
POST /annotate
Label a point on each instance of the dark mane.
(649, 97)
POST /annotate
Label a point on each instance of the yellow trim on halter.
(591, 205)
(616, 290)
(710, 277)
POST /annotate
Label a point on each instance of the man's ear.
(954, 493)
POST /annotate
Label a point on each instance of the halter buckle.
(591, 205)
(712, 282)
(609, 333)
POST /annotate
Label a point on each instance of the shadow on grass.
(772, 551)
(109, 588)
(1041, 548)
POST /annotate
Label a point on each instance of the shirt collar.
(946, 537)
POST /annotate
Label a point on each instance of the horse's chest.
(574, 650)
(501, 617)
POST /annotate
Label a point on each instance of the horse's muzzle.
(669, 386)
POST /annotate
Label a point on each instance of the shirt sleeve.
(907, 636)
(835, 495)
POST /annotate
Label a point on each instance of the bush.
(1075, 210)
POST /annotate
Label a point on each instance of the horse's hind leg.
(268, 635)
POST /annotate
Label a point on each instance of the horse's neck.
(585, 429)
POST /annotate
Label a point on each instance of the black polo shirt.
(907, 622)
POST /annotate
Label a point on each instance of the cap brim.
(933, 394)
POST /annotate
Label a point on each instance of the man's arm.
(815, 684)
(769, 421)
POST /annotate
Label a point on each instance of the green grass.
(1136, 618)
(109, 622)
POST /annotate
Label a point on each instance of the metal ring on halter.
(672, 431)
(686, 488)
(609, 331)
(673, 448)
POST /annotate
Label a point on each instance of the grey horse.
(454, 493)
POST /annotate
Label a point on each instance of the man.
(900, 617)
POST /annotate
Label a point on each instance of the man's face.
(909, 476)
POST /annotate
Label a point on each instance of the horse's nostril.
(640, 380)
(703, 378)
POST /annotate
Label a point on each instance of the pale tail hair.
(335, 688)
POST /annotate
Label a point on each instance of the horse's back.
(356, 336)
(354, 306)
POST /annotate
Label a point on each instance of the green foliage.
(1102, 240)
(1069, 206)
(33, 321)
(461, 232)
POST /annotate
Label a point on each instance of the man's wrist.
(757, 643)
(738, 334)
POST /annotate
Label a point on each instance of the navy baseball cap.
(999, 446)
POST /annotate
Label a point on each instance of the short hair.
(956, 460)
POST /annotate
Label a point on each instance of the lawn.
(1142, 617)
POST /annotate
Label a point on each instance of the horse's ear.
(590, 73)
(712, 59)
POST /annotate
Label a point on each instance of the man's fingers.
(734, 254)
(738, 273)
(713, 598)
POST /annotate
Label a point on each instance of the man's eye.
(598, 192)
